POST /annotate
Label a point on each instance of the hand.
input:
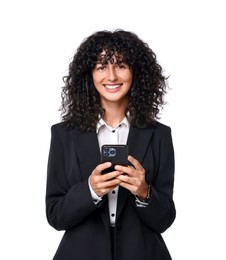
(134, 178)
(103, 183)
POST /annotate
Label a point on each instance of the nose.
(112, 74)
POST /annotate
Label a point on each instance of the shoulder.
(62, 132)
(156, 129)
(162, 135)
(160, 127)
(161, 132)
(62, 128)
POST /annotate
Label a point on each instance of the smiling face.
(112, 79)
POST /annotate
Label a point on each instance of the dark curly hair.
(81, 106)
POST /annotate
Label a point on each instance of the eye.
(122, 66)
(100, 67)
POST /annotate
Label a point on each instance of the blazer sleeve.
(67, 204)
(160, 212)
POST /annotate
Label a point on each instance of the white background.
(38, 39)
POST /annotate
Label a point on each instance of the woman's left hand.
(134, 178)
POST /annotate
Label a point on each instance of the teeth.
(112, 86)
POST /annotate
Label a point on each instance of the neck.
(114, 113)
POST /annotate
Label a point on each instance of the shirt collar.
(101, 123)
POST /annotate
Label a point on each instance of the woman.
(112, 95)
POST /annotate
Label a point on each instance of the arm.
(159, 213)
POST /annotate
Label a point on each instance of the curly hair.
(81, 105)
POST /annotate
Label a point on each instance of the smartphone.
(116, 154)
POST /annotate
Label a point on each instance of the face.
(112, 80)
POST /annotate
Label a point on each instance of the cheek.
(129, 79)
(128, 76)
(97, 78)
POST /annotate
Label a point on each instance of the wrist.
(145, 197)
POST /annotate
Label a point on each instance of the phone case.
(116, 154)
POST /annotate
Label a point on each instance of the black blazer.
(69, 205)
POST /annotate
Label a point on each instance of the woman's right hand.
(103, 183)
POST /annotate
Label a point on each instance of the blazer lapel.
(138, 140)
(88, 152)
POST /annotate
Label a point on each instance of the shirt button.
(113, 131)
(113, 192)
(113, 215)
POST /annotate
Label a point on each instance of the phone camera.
(109, 152)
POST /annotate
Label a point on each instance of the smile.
(113, 86)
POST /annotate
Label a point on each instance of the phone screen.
(116, 154)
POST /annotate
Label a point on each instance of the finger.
(135, 163)
(125, 169)
(125, 178)
(111, 175)
(108, 184)
(103, 188)
(127, 186)
(102, 167)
